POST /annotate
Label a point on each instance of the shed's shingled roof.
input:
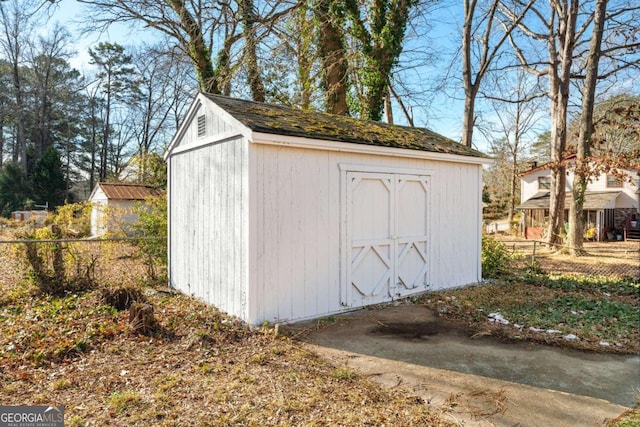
(128, 191)
(280, 120)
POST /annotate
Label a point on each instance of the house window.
(612, 181)
(544, 183)
(202, 126)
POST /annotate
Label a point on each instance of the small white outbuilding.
(113, 206)
(281, 215)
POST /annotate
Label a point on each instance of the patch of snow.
(515, 325)
(11, 346)
(531, 328)
(604, 344)
(570, 337)
(553, 331)
(498, 318)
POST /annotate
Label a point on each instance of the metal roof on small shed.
(280, 120)
(128, 191)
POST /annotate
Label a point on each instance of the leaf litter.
(197, 367)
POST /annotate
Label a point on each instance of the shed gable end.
(203, 124)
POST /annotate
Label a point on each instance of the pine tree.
(48, 183)
(13, 189)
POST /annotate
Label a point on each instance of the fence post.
(533, 257)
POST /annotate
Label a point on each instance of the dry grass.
(198, 368)
(600, 258)
(630, 418)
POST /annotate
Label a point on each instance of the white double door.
(387, 236)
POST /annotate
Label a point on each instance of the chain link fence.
(609, 259)
(117, 261)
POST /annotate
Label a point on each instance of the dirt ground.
(601, 258)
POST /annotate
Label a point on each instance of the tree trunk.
(305, 42)
(388, 108)
(94, 136)
(20, 154)
(250, 54)
(105, 134)
(332, 54)
(1, 144)
(512, 189)
(470, 90)
(382, 43)
(559, 85)
(197, 48)
(468, 118)
(582, 168)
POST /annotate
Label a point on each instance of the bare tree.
(48, 58)
(563, 27)
(162, 90)
(18, 19)
(207, 33)
(5, 105)
(193, 25)
(114, 76)
(480, 49)
(516, 119)
(582, 167)
(558, 31)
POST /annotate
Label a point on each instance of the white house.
(611, 205)
(113, 205)
(281, 215)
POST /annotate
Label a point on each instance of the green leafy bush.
(151, 227)
(74, 219)
(497, 261)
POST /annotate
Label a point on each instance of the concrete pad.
(408, 346)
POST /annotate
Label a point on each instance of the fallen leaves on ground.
(198, 367)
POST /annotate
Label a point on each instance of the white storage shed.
(281, 215)
(114, 206)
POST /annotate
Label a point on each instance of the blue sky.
(69, 13)
(443, 115)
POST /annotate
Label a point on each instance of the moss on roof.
(280, 120)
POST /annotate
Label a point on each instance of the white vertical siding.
(456, 221)
(259, 230)
(296, 231)
(208, 226)
(99, 201)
